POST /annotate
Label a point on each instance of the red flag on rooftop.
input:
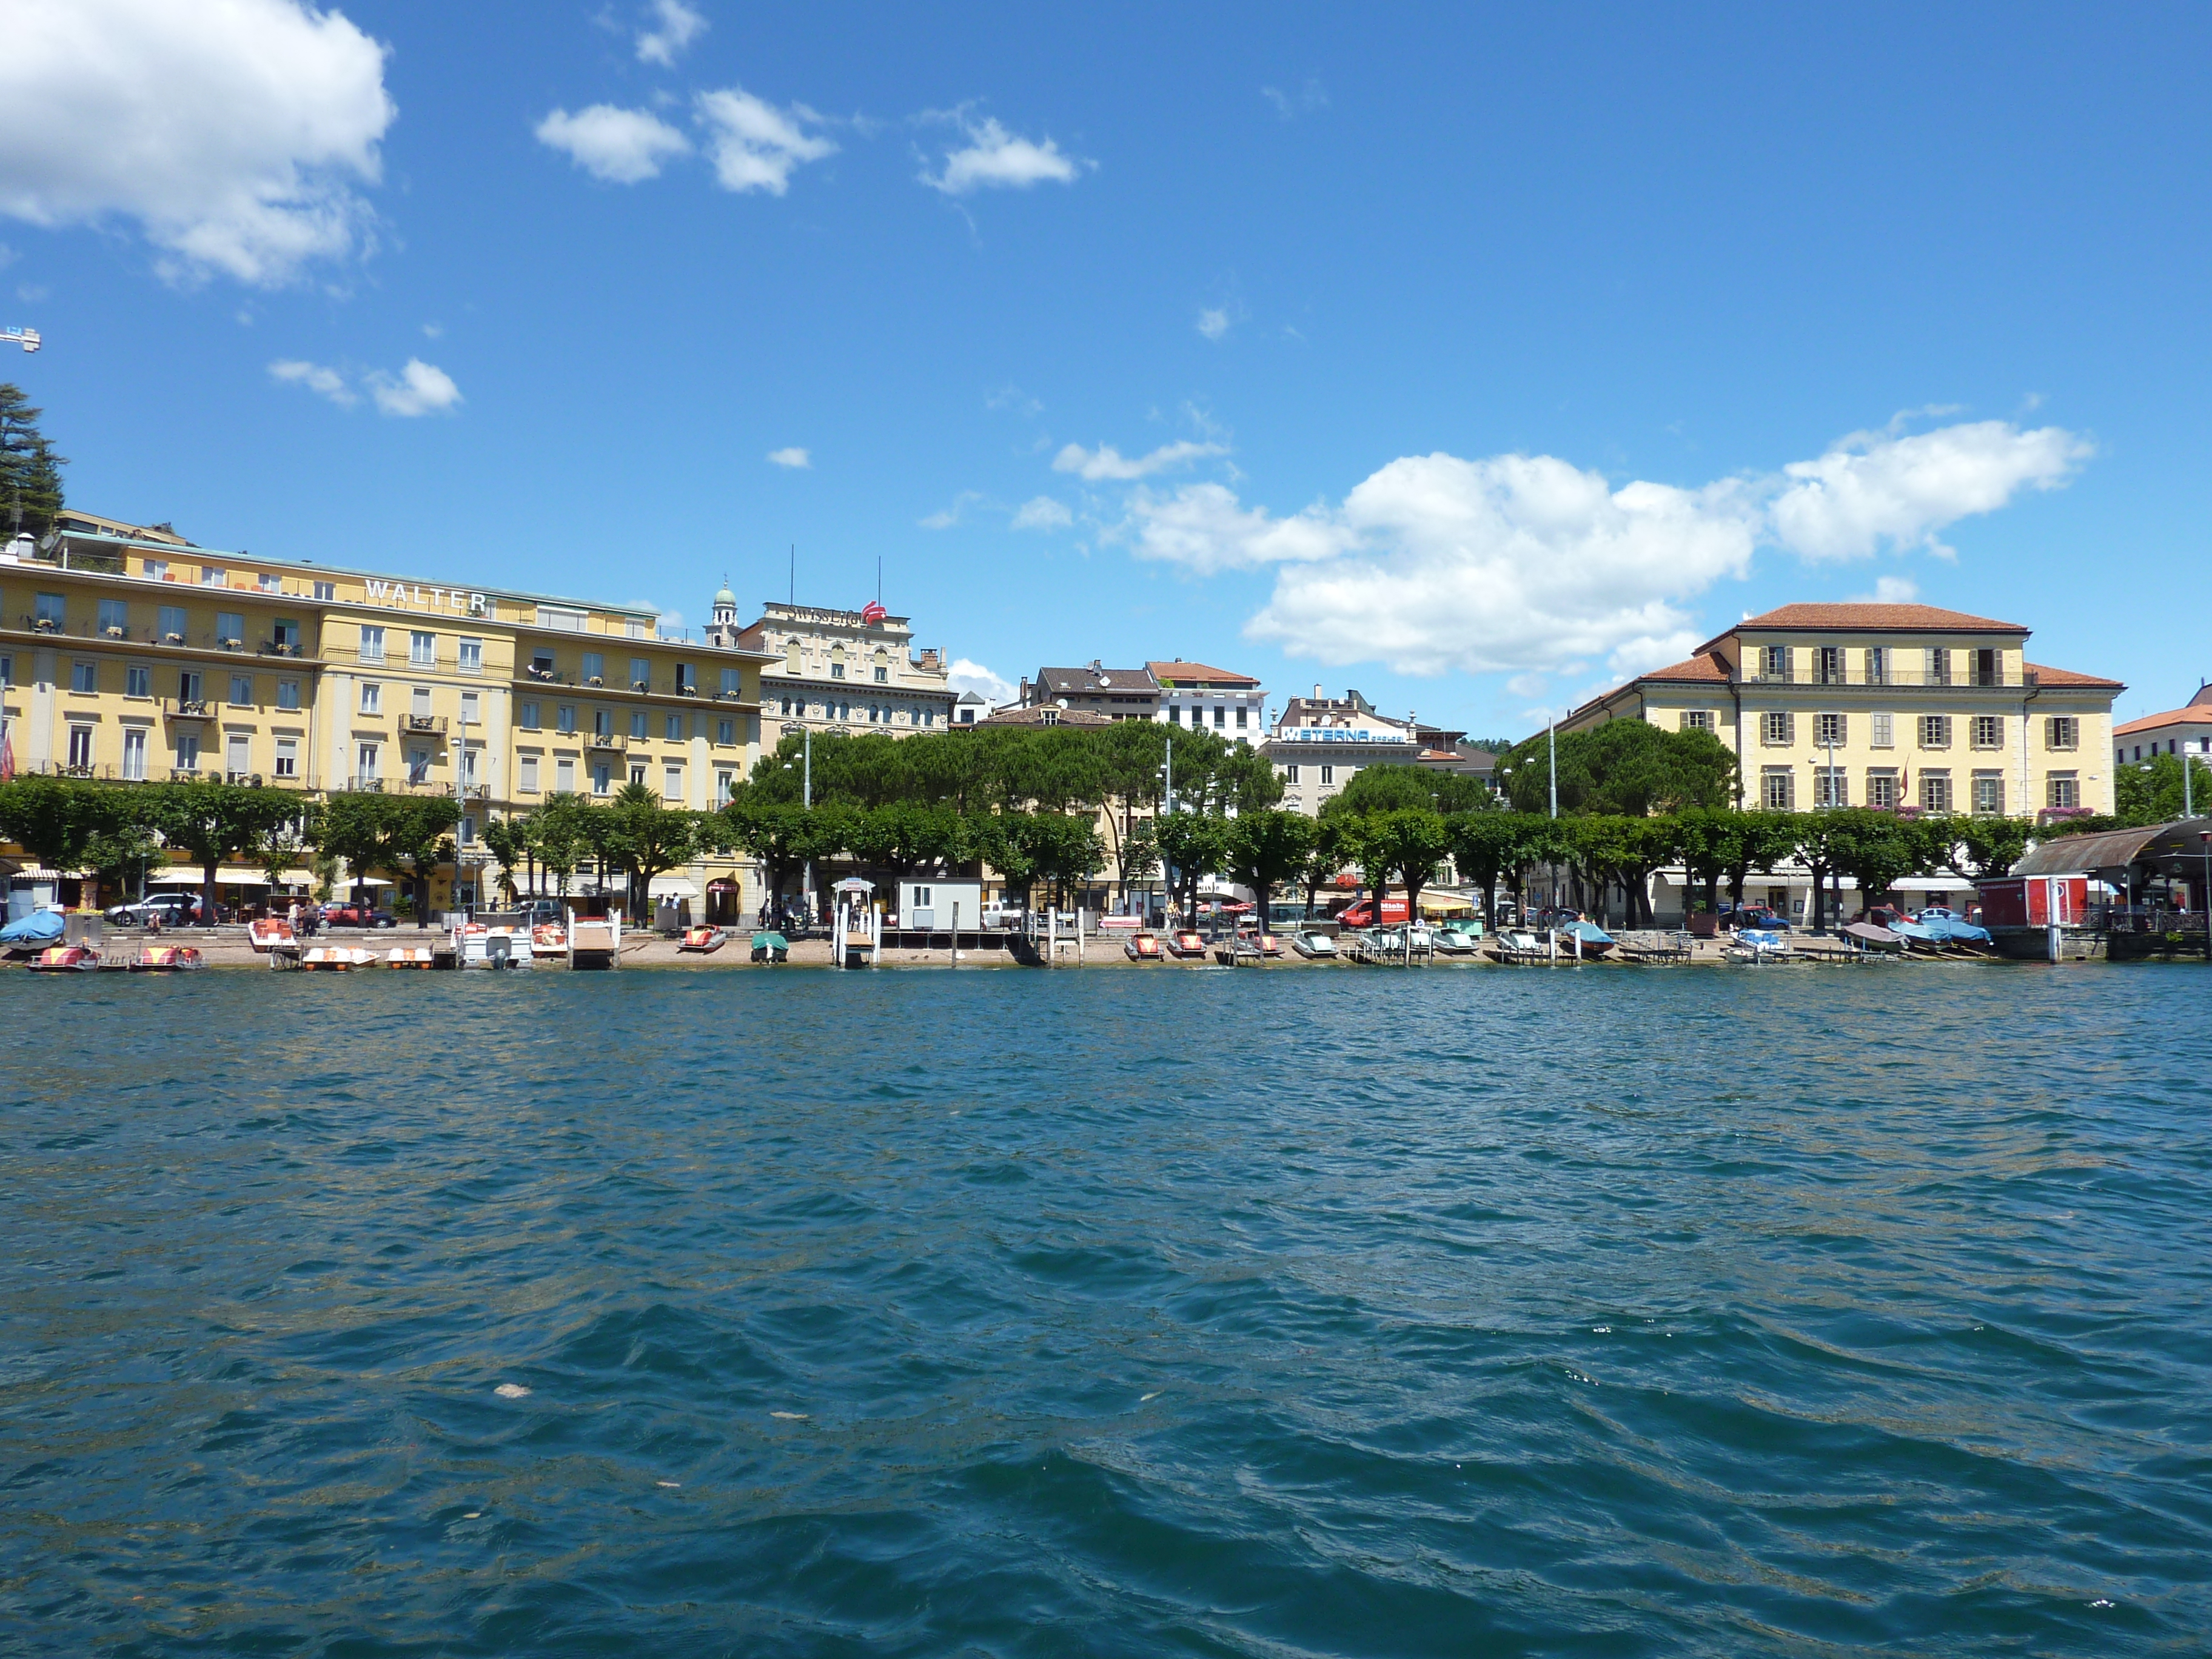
(873, 612)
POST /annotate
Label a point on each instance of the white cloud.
(1108, 461)
(1202, 526)
(232, 132)
(794, 457)
(1522, 563)
(1043, 512)
(1890, 590)
(621, 146)
(1877, 489)
(757, 146)
(677, 25)
(945, 518)
(1304, 101)
(966, 676)
(418, 389)
(324, 382)
(993, 158)
(1213, 322)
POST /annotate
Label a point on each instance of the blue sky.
(1471, 357)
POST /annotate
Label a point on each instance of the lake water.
(1598, 1312)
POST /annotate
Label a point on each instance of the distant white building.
(847, 671)
(1321, 743)
(2185, 731)
(1212, 699)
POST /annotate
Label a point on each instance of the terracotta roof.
(1704, 668)
(1164, 672)
(2067, 677)
(2195, 714)
(1875, 618)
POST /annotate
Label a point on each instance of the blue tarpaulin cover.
(39, 927)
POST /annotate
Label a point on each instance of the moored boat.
(334, 958)
(1594, 940)
(771, 948)
(1186, 946)
(66, 959)
(1314, 947)
(266, 933)
(1142, 947)
(701, 941)
(167, 959)
(410, 955)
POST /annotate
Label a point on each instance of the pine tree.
(30, 472)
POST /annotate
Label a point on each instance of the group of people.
(306, 919)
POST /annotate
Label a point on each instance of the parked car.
(1759, 917)
(1557, 915)
(533, 912)
(176, 907)
(336, 914)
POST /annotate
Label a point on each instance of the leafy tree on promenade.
(417, 837)
(351, 826)
(1820, 841)
(1408, 843)
(56, 820)
(1754, 840)
(1331, 850)
(1482, 848)
(215, 822)
(560, 838)
(2150, 791)
(1877, 849)
(1627, 767)
(30, 472)
(650, 838)
(1192, 845)
(1394, 786)
(508, 840)
(1979, 848)
(1064, 848)
(1266, 849)
(288, 843)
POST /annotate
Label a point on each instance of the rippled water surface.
(1459, 1312)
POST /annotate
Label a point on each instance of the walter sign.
(437, 598)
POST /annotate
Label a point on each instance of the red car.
(1361, 914)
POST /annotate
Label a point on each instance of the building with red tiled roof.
(1885, 705)
(2184, 731)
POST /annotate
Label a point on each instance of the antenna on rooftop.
(794, 572)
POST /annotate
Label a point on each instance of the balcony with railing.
(1908, 679)
(607, 742)
(423, 725)
(187, 709)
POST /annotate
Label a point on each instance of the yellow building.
(132, 655)
(1885, 705)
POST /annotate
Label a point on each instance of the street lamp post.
(1553, 766)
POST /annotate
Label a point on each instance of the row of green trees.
(118, 831)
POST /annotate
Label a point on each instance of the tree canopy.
(30, 472)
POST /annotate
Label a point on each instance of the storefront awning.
(673, 887)
(228, 875)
